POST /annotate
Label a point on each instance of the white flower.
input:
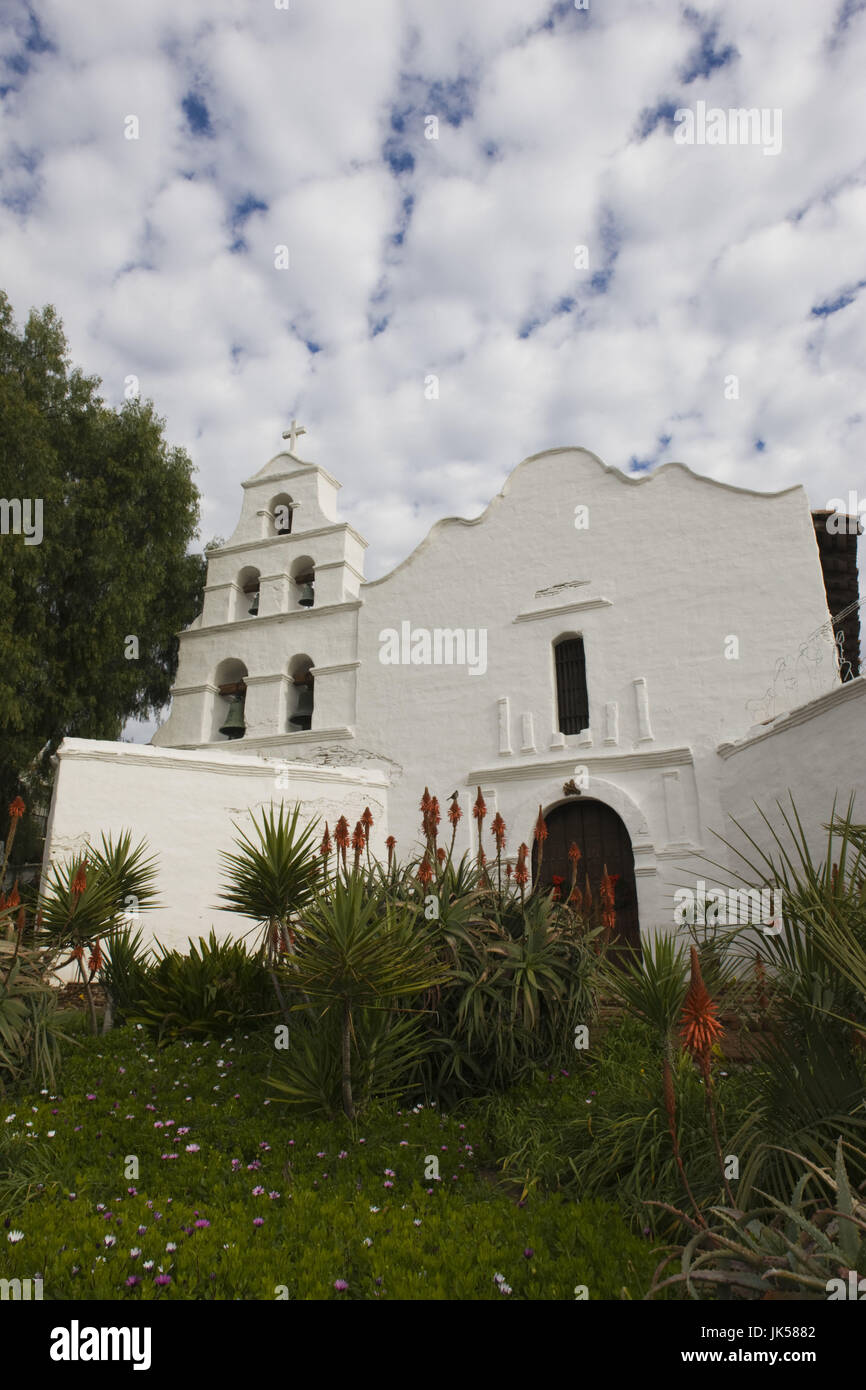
(9, 1119)
(148, 1264)
(171, 1247)
(15, 1236)
(109, 1240)
(374, 1208)
(416, 1222)
(499, 1278)
(51, 1133)
(504, 1288)
(367, 1240)
(134, 1252)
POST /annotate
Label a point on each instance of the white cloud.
(711, 258)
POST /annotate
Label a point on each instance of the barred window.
(572, 697)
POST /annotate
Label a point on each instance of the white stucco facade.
(698, 605)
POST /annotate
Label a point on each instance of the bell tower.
(271, 663)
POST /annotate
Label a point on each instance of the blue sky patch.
(197, 115)
(842, 300)
(706, 58)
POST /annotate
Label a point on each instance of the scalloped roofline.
(570, 449)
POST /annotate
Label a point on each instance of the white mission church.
(641, 657)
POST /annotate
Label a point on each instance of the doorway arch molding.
(628, 810)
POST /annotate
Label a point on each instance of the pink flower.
(133, 1280)
(258, 1192)
(201, 1224)
(192, 1148)
(162, 1279)
(340, 1285)
(258, 1221)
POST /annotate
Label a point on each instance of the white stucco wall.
(817, 752)
(185, 805)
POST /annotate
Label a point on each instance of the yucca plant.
(272, 875)
(810, 1079)
(819, 958)
(387, 1046)
(352, 951)
(653, 989)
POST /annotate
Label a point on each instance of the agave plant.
(801, 1249)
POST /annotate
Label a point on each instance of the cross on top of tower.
(292, 434)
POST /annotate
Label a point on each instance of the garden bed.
(237, 1198)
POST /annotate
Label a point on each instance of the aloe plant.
(86, 901)
(804, 1248)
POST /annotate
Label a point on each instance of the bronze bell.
(303, 715)
(234, 726)
(307, 595)
(254, 606)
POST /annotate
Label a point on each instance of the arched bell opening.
(228, 717)
(303, 574)
(605, 849)
(300, 693)
(282, 509)
(247, 596)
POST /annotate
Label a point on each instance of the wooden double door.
(603, 841)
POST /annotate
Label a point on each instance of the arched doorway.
(603, 840)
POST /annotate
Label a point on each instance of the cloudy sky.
(307, 127)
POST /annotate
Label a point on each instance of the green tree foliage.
(119, 509)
